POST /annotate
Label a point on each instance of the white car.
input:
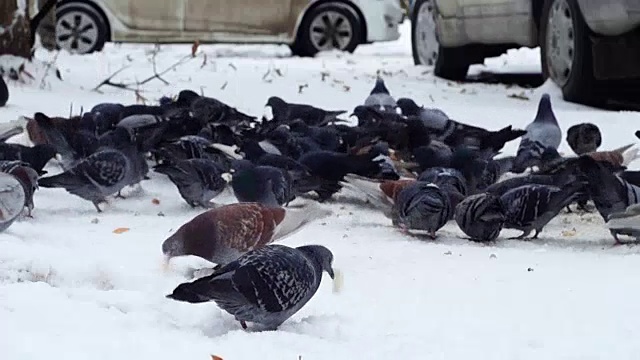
(587, 46)
(308, 26)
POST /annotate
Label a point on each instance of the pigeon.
(210, 110)
(584, 138)
(4, 92)
(480, 216)
(609, 192)
(619, 158)
(531, 207)
(625, 222)
(380, 97)
(28, 179)
(500, 188)
(123, 140)
(197, 180)
(454, 133)
(12, 199)
(222, 234)
(101, 174)
(542, 134)
(265, 286)
(284, 112)
(266, 185)
(451, 181)
(422, 206)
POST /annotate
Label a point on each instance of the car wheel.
(451, 63)
(565, 50)
(80, 29)
(327, 27)
(424, 41)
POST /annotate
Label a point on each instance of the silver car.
(586, 45)
(308, 26)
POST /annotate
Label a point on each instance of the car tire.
(91, 26)
(326, 26)
(567, 59)
(450, 62)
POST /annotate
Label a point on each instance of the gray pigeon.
(197, 180)
(267, 185)
(123, 140)
(432, 118)
(609, 192)
(543, 134)
(27, 176)
(101, 174)
(584, 138)
(480, 216)
(422, 206)
(12, 199)
(265, 286)
(380, 98)
(531, 207)
(223, 234)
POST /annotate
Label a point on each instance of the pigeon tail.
(294, 220)
(545, 112)
(202, 290)
(371, 189)
(63, 180)
(497, 139)
(629, 155)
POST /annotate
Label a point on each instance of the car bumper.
(383, 18)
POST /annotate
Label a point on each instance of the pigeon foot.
(243, 324)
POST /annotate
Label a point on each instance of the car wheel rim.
(426, 40)
(560, 42)
(331, 30)
(76, 32)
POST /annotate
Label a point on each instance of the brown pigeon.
(223, 234)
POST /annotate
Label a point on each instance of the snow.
(72, 289)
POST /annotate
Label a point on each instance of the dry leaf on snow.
(120, 230)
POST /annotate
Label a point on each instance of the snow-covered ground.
(71, 288)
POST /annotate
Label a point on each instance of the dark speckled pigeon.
(264, 286)
(101, 174)
(480, 216)
(531, 207)
(222, 234)
(584, 138)
(542, 134)
(380, 97)
(197, 180)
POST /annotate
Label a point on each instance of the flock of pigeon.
(419, 167)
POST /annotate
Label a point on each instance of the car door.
(148, 14)
(251, 17)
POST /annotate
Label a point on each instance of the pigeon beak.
(332, 274)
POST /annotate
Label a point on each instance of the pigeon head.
(197, 237)
(185, 292)
(545, 112)
(379, 87)
(320, 256)
(118, 138)
(186, 98)
(277, 107)
(408, 107)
